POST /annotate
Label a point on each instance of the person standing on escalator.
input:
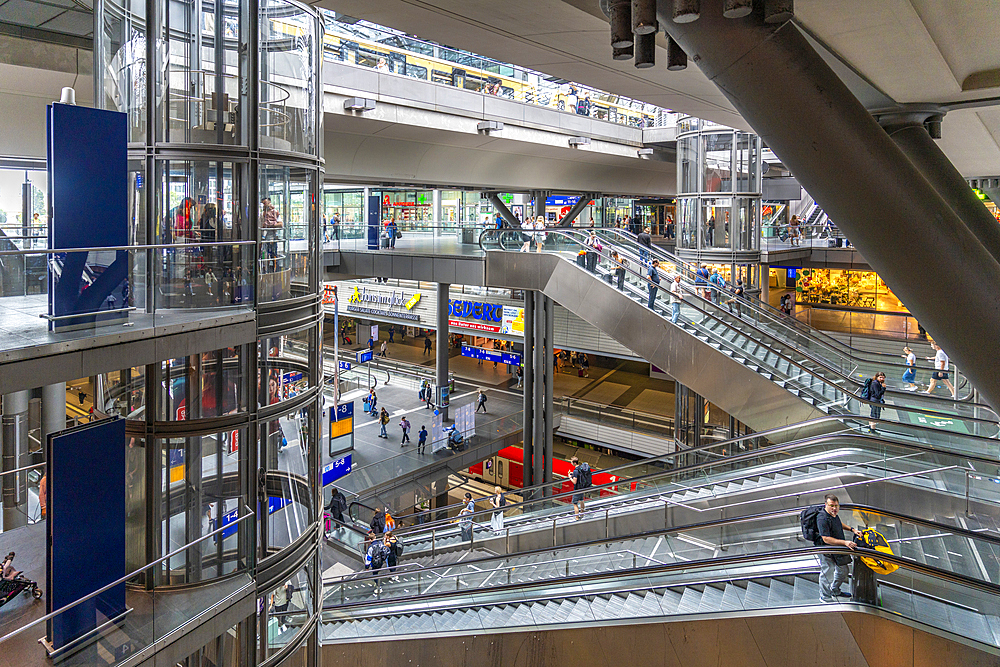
(646, 243)
(653, 276)
(874, 391)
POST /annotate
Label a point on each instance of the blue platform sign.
(228, 523)
(486, 354)
(341, 428)
(334, 471)
(345, 365)
(365, 356)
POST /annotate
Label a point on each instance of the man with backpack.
(337, 506)
(421, 439)
(378, 522)
(481, 401)
(375, 559)
(822, 526)
(404, 424)
(581, 478)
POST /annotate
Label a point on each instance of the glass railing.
(159, 284)
(825, 348)
(728, 583)
(391, 52)
(23, 499)
(828, 387)
(414, 236)
(152, 616)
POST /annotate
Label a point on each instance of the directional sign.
(365, 356)
(345, 365)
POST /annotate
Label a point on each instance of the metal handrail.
(763, 334)
(125, 579)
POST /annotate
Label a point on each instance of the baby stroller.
(13, 582)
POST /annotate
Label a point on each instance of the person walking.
(581, 479)
(833, 572)
(422, 440)
(910, 374)
(701, 281)
(940, 360)
(336, 227)
(392, 332)
(382, 350)
(481, 401)
(874, 391)
(676, 296)
(540, 233)
(404, 424)
(383, 420)
(527, 234)
(653, 275)
(497, 502)
(465, 517)
(793, 230)
(718, 284)
(393, 231)
(520, 377)
(372, 403)
(395, 551)
(371, 343)
(427, 345)
(337, 506)
(646, 245)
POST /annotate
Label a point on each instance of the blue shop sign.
(486, 354)
(476, 310)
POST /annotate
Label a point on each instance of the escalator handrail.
(777, 321)
(701, 525)
(721, 561)
(967, 457)
(786, 446)
(850, 395)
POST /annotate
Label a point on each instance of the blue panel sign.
(274, 504)
(343, 411)
(345, 365)
(85, 472)
(486, 354)
(374, 221)
(88, 181)
(229, 525)
(365, 356)
(341, 428)
(334, 471)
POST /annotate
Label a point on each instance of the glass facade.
(224, 180)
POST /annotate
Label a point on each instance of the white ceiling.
(913, 50)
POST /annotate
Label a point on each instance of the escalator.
(760, 372)
(732, 479)
(732, 567)
(824, 348)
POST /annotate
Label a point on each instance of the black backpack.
(583, 476)
(378, 557)
(807, 519)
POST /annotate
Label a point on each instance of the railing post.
(433, 540)
(553, 532)
(607, 525)
(506, 541)
(967, 484)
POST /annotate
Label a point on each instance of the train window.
(415, 71)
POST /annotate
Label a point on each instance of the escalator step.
(732, 598)
(804, 591)
(669, 600)
(613, 608)
(756, 595)
(632, 607)
(711, 599)
(521, 616)
(580, 611)
(780, 593)
(690, 601)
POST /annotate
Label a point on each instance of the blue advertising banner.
(88, 198)
(486, 354)
(85, 474)
(334, 471)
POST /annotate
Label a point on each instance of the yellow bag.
(872, 539)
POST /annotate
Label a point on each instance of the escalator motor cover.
(872, 539)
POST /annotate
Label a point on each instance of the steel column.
(528, 420)
(502, 209)
(801, 109)
(549, 372)
(15, 449)
(54, 408)
(538, 423)
(441, 350)
(577, 209)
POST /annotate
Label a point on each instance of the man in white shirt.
(675, 298)
(940, 360)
